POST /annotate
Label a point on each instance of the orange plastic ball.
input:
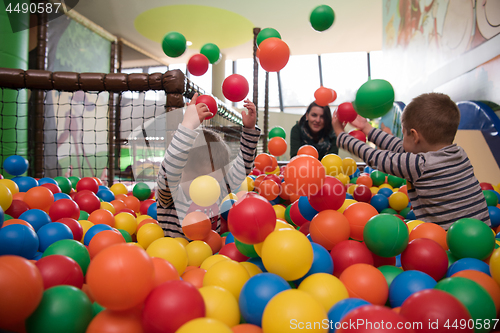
(194, 276)
(431, 231)
(102, 216)
(328, 228)
(132, 202)
(269, 189)
(164, 271)
(308, 150)
(485, 281)
(39, 198)
(116, 321)
(324, 96)
(214, 240)
(196, 225)
(274, 54)
(146, 221)
(246, 328)
(118, 204)
(277, 146)
(364, 180)
(104, 239)
(263, 162)
(358, 215)
(366, 282)
(274, 165)
(305, 175)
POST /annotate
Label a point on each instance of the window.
(299, 80)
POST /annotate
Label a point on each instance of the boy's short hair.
(434, 115)
(208, 154)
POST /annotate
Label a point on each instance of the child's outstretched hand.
(195, 113)
(338, 127)
(362, 124)
(249, 117)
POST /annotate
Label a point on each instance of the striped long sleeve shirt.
(441, 184)
(172, 203)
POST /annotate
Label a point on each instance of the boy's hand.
(249, 118)
(362, 124)
(338, 127)
(195, 113)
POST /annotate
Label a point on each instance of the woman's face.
(315, 119)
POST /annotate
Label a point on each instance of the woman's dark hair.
(327, 117)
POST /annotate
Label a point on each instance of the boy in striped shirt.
(441, 183)
(195, 152)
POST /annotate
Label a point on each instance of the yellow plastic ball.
(197, 252)
(204, 191)
(287, 253)
(325, 288)
(344, 179)
(137, 244)
(109, 207)
(247, 185)
(258, 247)
(280, 211)
(205, 325)
(227, 274)
(118, 188)
(220, 304)
(127, 222)
(495, 265)
(5, 197)
(251, 268)
(86, 225)
(332, 164)
(11, 185)
(230, 196)
(280, 224)
(181, 240)
(274, 172)
(351, 189)
(349, 166)
(412, 224)
(347, 203)
(386, 186)
(374, 190)
(141, 218)
(398, 201)
(171, 250)
(212, 260)
(294, 310)
(148, 233)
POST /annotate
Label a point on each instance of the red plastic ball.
(324, 96)
(52, 187)
(251, 219)
(88, 202)
(57, 269)
(235, 87)
(330, 196)
(381, 318)
(486, 186)
(305, 174)
(297, 218)
(64, 208)
(273, 54)
(358, 215)
(210, 102)
(362, 193)
(170, 305)
(145, 205)
(347, 253)
(425, 255)
(277, 146)
(198, 64)
(17, 207)
(87, 183)
(76, 228)
(346, 112)
(358, 135)
(231, 251)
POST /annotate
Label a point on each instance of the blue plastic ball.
(15, 165)
(229, 238)
(59, 196)
(225, 206)
(468, 263)
(385, 191)
(406, 284)
(105, 195)
(51, 233)
(494, 216)
(258, 262)
(342, 308)
(36, 217)
(379, 202)
(257, 292)
(348, 196)
(47, 180)
(322, 262)
(411, 215)
(25, 183)
(368, 170)
(305, 208)
(152, 211)
(94, 230)
(2, 216)
(18, 239)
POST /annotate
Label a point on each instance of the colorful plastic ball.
(267, 33)
(51, 233)
(125, 221)
(273, 54)
(18, 239)
(322, 18)
(198, 64)
(73, 249)
(494, 213)
(332, 164)
(164, 271)
(374, 99)
(212, 52)
(143, 209)
(16, 208)
(141, 191)
(362, 193)
(208, 325)
(470, 238)
(291, 308)
(398, 201)
(324, 96)
(104, 239)
(115, 321)
(475, 298)
(378, 177)
(227, 274)
(64, 208)
(380, 202)
(246, 250)
(39, 198)
(330, 196)
(235, 87)
(485, 281)
(322, 262)
(427, 256)
(88, 202)
(358, 135)
(385, 235)
(195, 276)
(52, 187)
(60, 270)
(106, 282)
(59, 196)
(197, 252)
(408, 283)
(221, 305)
(390, 272)
(468, 264)
(328, 228)
(431, 231)
(36, 217)
(196, 225)
(11, 185)
(341, 309)
(93, 230)
(325, 288)
(358, 215)
(251, 219)
(210, 102)
(87, 183)
(269, 189)
(64, 184)
(173, 44)
(171, 250)
(246, 328)
(347, 253)
(25, 183)
(277, 131)
(435, 308)
(308, 150)
(305, 174)
(102, 216)
(119, 188)
(395, 181)
(277, 146)
(366, 282)
(149, 233)
(15, 165)
(491, 198)
(346, 112)
(105, 195)
(375, 318)
(21, 287)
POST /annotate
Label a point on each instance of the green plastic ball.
(212, 52)
(83, 215)
(353, 180)
(141, 191)
(374, 99)
(322, 17)
(74, 180)
(125, 235)
(394, 181)
(378, 177)
(96, 308)
(405, 212)
(386, 235)
(62, 309)
(267, 33)
(390, 272)
(491, 198)
(287, 215)
(474, 297)
(470, 238)
(246, 249)
(174, 44)
(70, 248)
(388, 211)
(64, 184)
(451, 258)
(277, 131)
